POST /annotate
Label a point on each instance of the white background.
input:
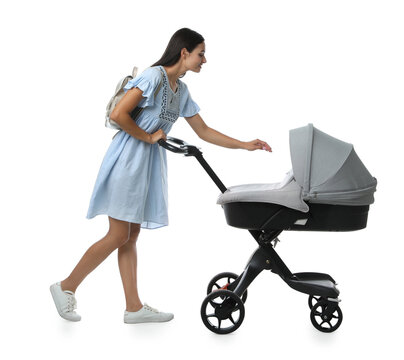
(272, 66)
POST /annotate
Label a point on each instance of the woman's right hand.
(159, 134)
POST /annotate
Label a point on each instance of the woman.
(131, 185)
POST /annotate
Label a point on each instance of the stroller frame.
(229, 299)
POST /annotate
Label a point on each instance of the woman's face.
(196, 58)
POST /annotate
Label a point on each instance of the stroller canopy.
(328, 170)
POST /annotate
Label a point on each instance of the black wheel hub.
(225, 310)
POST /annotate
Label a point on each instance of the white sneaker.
(146, 314)
(65, 302)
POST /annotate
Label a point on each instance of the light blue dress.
(132, 182)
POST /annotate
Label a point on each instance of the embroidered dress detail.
(170, 106)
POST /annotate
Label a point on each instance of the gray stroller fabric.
(325, 170)
(328, 170)
(286, 193)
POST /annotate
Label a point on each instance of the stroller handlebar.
(191, 150)
(183, 148)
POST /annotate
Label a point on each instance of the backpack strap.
(134, 72)
(159, 86)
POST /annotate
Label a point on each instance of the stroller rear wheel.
(223, 281)
(326, 316)
(226, 316)
(313, 300)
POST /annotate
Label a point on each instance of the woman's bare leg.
(116, 237)
(127, 260)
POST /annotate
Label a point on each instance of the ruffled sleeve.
(148, 82)
(188, 107)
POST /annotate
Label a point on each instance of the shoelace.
(71, 301)
(147, 307)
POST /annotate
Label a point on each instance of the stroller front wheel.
(226, 316)
(326, 316)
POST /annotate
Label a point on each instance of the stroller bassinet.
(328, 189)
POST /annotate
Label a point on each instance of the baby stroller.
(328, 189)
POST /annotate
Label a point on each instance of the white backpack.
(119, 93)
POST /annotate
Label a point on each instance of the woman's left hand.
(257, 144)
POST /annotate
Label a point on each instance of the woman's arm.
(121, 115)
(215, 137)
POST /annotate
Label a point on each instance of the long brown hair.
(183, 38)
